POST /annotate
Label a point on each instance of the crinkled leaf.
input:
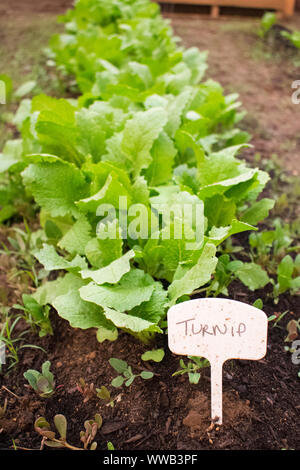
(253, 276)
(119, 365)
(55, 186)
(196, 276)
(76, 239)
(134, 288)
(258, 211)
(52, 261)
(139, 135)
(129, 322)
(111, 273)
(155, 355)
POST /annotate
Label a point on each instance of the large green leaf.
(258, 211)
(55, 185)
(76, 239)
(196, 276)
(134, 288)
(253, 276)
(111, 273)
(52, 261)
(139, 135)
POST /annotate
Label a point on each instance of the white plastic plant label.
(217, 329)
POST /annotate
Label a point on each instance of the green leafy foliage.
(36, 315)
(192, 368)
(149, 130)
(294, 37)
(155, 355)
(288, 276)
(271, 249)
(104, 394)
(42, 382)
(267, 21)
(6, 87)
(126, 374)
(50, 439)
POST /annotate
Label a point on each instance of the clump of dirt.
(198, 418)
(235, 409)
(21, 417)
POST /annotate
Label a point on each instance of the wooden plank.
(215, 10)
(287, 7)
(273, 4)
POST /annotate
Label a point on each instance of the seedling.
(127, 375)
(49, 437)
(21, 249)
(91, 428)
(276, 318)
(269, 247)
(88, 391)
(155, 355)
(43, 383)
(293, 328)
(258, 304)
(104, 394)
(288, 276)
(192, 368)
(36, 315)
(293, 37)
(11, 341)
(223, 276)
(268, 20)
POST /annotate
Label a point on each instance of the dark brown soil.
(261, 398)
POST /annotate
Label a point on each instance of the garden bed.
(261, 399)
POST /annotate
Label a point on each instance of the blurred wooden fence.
(283, 7)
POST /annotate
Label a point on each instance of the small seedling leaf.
(119, 365)
(46, 372)
(41, 423)
(118, 381)
(129, 381)
(32, 376)
(155, 355)
(292, 328)
(25, 89)
(103, 393)
(194, 377)
(43, 387)
(98, 420)
(54, 444)
(61, 425)
(146, 374)
(258, 304)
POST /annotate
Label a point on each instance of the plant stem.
(12, 393)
